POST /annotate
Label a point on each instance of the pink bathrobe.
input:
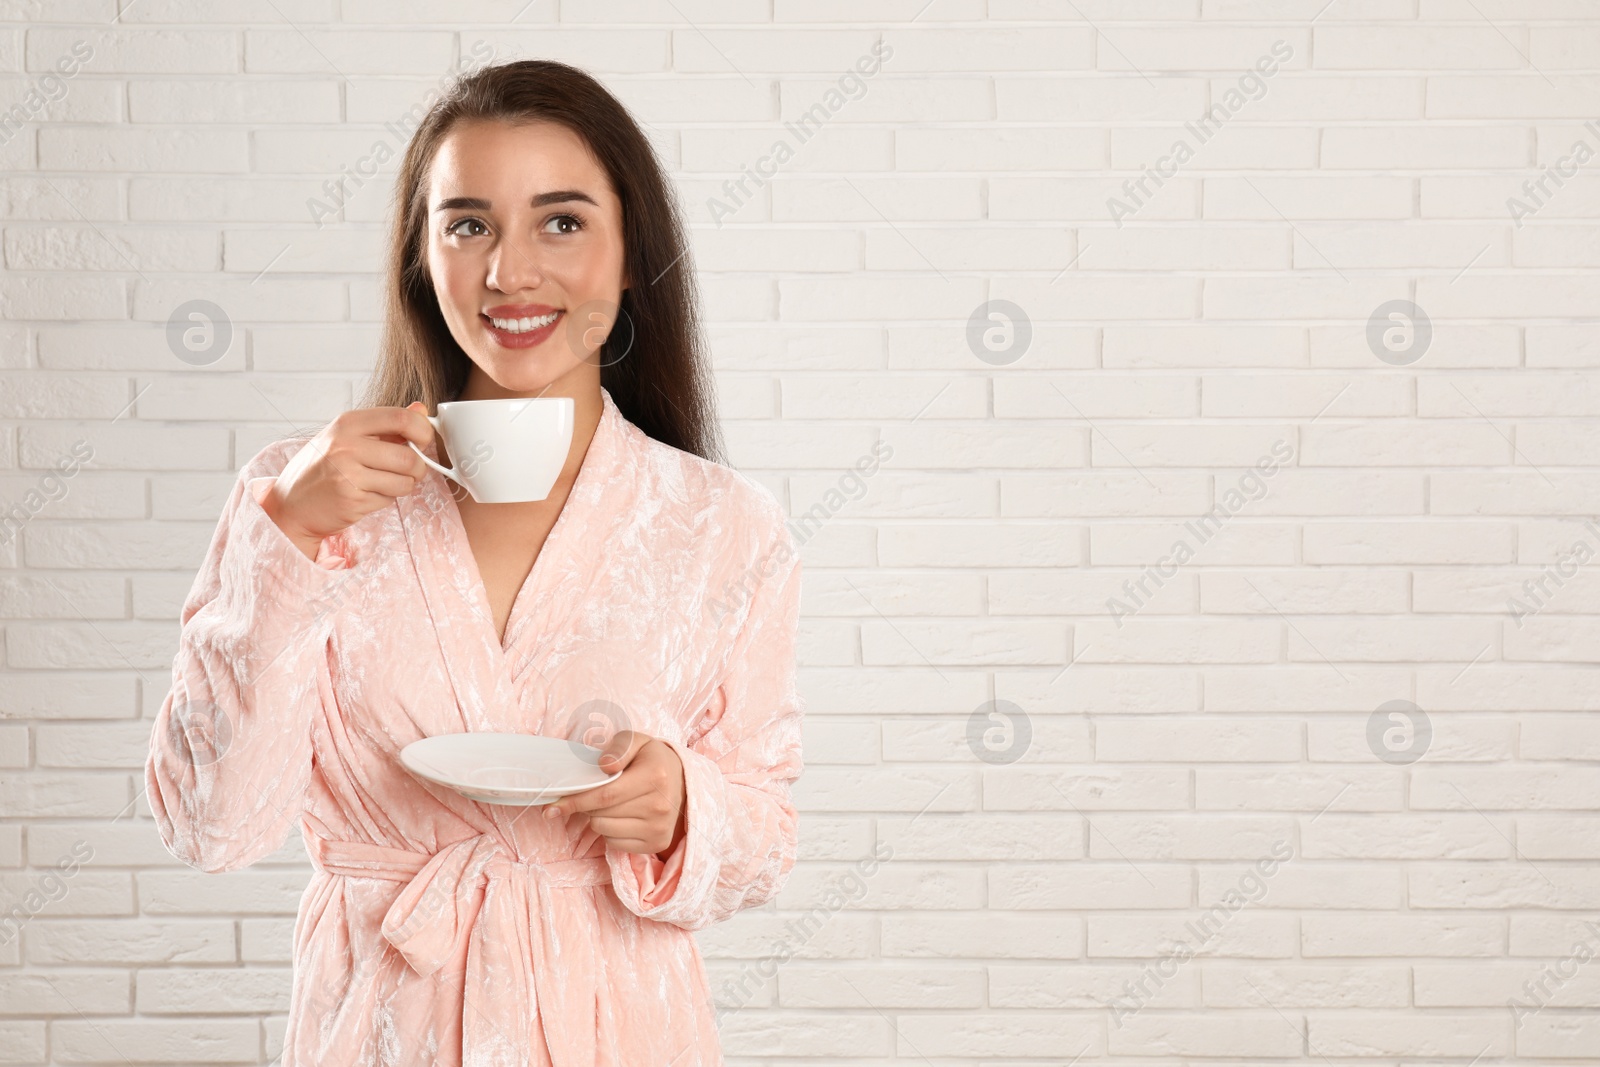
(439, 930)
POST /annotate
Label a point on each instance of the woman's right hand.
(360, 462)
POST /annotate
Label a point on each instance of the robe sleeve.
(229, 762)
(739, 761)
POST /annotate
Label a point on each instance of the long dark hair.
(652, 364)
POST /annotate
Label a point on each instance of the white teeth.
(524, 325)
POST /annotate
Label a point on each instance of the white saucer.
(494, 768)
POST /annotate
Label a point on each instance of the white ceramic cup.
(505, 451)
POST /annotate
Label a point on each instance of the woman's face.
(523, 225)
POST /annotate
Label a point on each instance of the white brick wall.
(1030, 907)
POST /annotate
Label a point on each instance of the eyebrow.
(475, 203)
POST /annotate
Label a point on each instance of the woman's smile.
(520, 326)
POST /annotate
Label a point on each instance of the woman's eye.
(454, 229)
(476, 228)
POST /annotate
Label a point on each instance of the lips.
(523, 338)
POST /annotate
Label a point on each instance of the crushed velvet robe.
(440, 930)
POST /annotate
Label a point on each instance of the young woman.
(353, 601)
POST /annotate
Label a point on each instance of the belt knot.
(431, 923)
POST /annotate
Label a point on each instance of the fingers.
(358, 463)
(622, 826)
(644, 784)
(621, 749)
(608, 798)
(417, 420)
(641, 809)
(384, 484)
(389, 456)
(618, 753)
(630, 835)
(409, 423)
(376, 439)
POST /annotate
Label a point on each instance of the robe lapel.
(483, 674)
(581, 544)
(454, 600)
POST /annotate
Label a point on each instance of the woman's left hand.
(642, 810)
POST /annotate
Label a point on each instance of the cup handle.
(447, 472)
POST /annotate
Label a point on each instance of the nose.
(512, 266)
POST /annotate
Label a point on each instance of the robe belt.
(431, 924)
